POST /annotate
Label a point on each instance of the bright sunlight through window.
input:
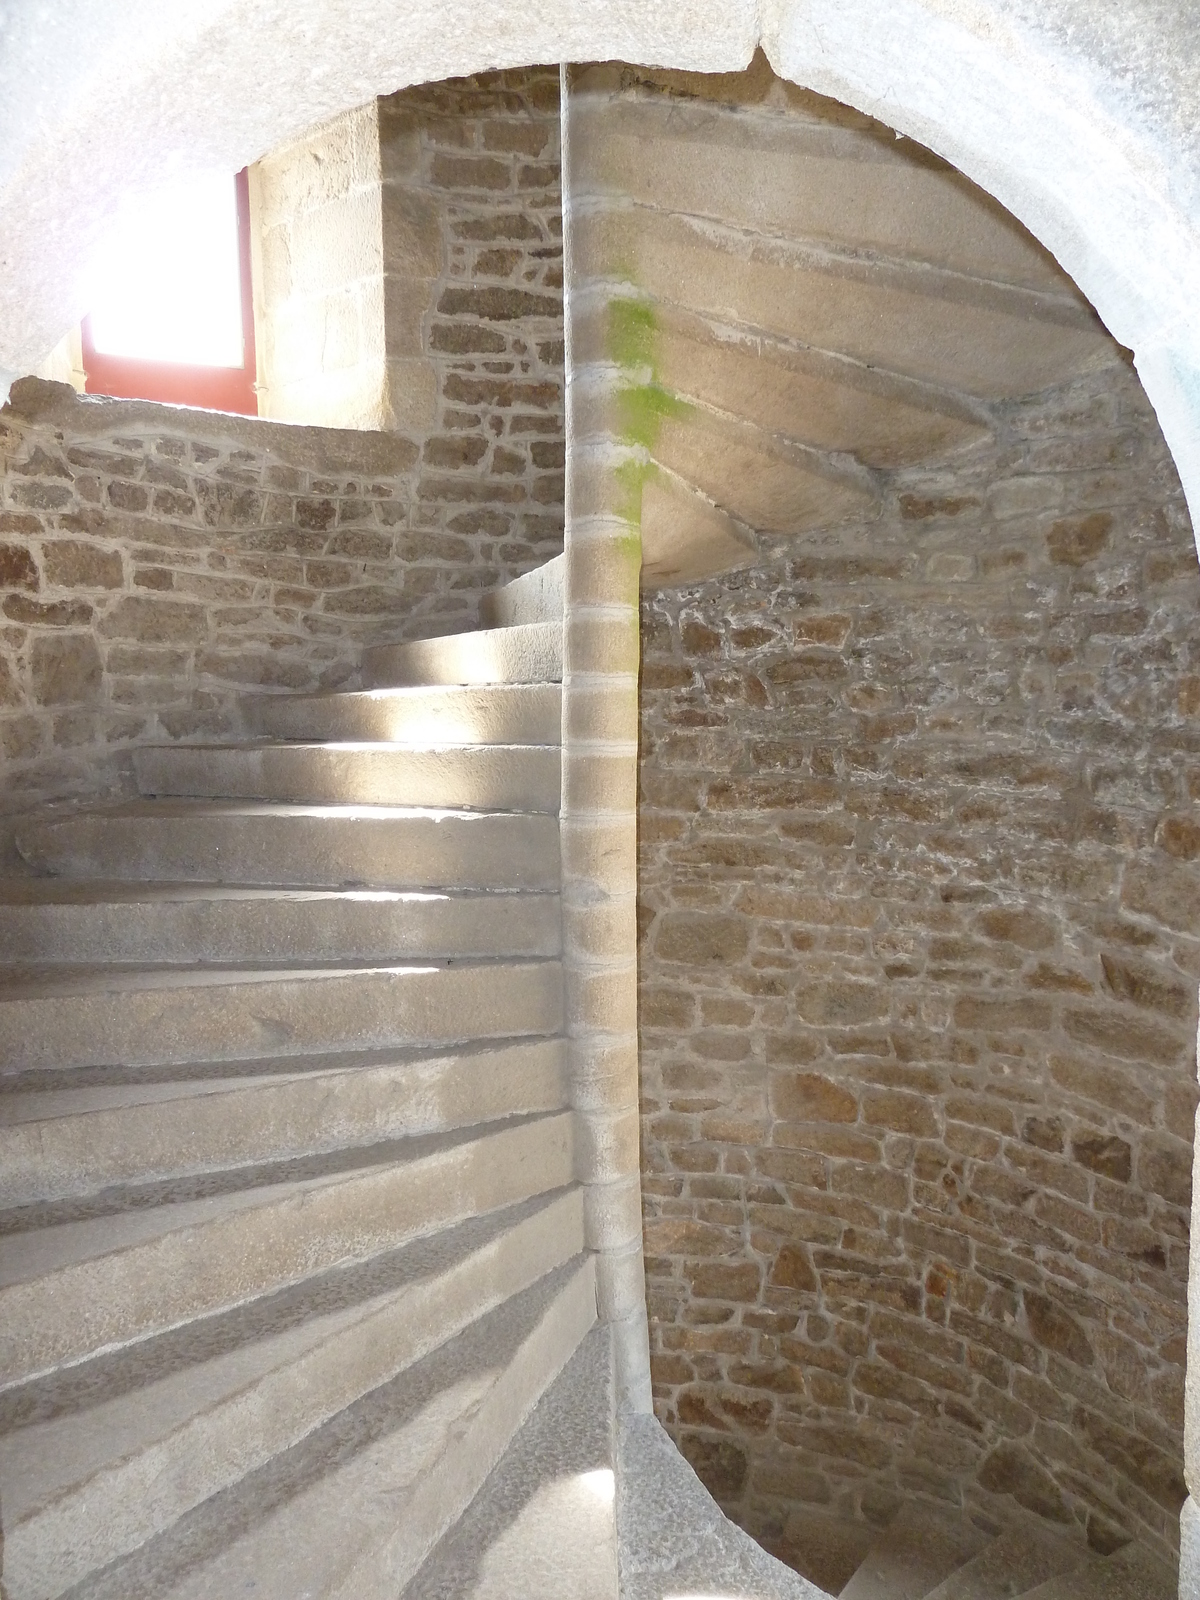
(168, 285)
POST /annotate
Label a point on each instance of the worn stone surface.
(672, 1538)
(920, 947)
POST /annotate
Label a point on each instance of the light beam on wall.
(167, 283)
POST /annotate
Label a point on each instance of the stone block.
(607, 1146)
(700, 939)
(412, 235)
(320, 168)
(685, 537)
(600, 782)
(337, 245)
(70, 564)
(810, 1097)
(18, 570)
(816, 181)
(597, 852)
(754, 478)
(409, 398)
(612, 1214)
(988, 343)
(65, 669)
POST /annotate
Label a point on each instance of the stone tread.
(458, 714)
(105, 1479)
(542, 1526)
(942, 328)
(391, 1474)
(55, 1145)
(806, 180)
(1016, 1560)
(536, 596)
(825, 401)
(486, 778)
(79, 1017)
(674, 1540)
(175, 1077)
(1132, 1573)
(73, 922)
(211, 841)
(913, 1554)
(83, 1282)
(529, 653)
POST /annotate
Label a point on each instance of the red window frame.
(177, 383)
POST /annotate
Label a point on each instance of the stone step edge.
(458, 1477)
(52, 1080)
(71, 1146)
(121, 1503)
(455, 1178)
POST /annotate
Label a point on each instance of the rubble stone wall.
(156, 563)
(920, 903)
(484, 154)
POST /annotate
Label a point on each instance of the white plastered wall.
(1081, 116)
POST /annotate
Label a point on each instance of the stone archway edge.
(1083, 125)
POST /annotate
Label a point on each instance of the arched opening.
(1084, 546)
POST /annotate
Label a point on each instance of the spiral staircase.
(294, 1299)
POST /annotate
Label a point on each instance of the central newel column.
(599, 804)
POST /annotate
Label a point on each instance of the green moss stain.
(642, 411)
(642, 406)
(632, 333)
(631, 477)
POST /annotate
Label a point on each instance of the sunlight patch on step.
(535, 1557)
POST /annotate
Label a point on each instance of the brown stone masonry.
(920, 904)
(488, 161)
(156, 563)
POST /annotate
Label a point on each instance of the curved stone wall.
(920, 946)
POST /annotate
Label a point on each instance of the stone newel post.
(599, 805)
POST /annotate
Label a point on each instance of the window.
(172, 311)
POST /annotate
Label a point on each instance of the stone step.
(758, 479)
(536, 596)
(1133, 1573)
(390, 1478)
(823, 401)
(459, 777)
(820, 1545)
(542, 1527)
(962, 334)
(913, 1554)
(786, 176)
(497, 713)
(1019, 1559)
(59, 1144)
(529, 653)
(673, 1538)
(685, 537)
(312, 847)
(72, 1288)
(85, 1488)
(80, 1017)
(49, 920)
